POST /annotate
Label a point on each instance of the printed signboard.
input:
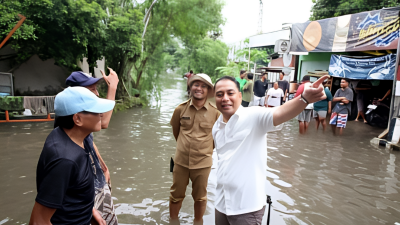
(375, 68)
(372, 30)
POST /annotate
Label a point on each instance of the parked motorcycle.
(377, 114)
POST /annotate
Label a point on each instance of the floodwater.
(316, 178)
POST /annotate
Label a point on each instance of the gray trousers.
(251, 218)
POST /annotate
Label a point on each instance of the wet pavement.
(315, 178)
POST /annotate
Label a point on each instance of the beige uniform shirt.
(192, 130)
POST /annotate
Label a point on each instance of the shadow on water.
(313, 179)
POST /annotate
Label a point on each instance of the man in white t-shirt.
(240, 141)
(274, 96)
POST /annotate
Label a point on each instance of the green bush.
(12, 103)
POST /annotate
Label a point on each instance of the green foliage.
(56, 29)
(12, 103)
(332, 8)
(128, 102)
(185, 20)
(204, 57)
(69, 30)
(232, 69)
(180, 33)
(123, 40)
(9, 18)
(255, 55)
(258, 56)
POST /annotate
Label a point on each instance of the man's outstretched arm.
(312, 93)
(41, 215)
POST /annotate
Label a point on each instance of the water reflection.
(313, 179)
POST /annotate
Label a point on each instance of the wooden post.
(7, 116)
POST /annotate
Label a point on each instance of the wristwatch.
(303, 99)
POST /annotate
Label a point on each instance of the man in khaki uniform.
(191, 123)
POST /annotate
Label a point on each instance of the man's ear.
(77, 119)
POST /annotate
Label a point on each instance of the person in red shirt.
(188, 76)
(304, 117)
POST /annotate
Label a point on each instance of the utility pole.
(260, 16)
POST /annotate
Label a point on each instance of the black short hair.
(191, 71)
(242, 72)
(282, 73)
(66, 122)
(306, 78)
(228, 78)
(250, 76)
(346, 79)
(265, 73)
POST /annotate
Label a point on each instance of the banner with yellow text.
(365, 31)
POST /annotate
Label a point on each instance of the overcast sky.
(242, 16)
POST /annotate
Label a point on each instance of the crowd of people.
(260, 94)
(73, 181)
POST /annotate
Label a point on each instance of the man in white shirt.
(240, 141)
(274, 96)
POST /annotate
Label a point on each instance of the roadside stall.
(361, 47)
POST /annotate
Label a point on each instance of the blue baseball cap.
(79, 78)
(77, 99)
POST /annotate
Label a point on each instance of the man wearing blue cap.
(104, 206)
(81, 79)
(66, 170)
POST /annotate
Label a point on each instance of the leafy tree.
(68, 30)
(56, 29)
(204, 57)
(9, 18)
(122, 43)
(258, 56)
(332, 8)
(231, 69)
(186, 20)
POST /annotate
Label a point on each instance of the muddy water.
(313, 179)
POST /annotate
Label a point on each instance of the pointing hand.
(314, 92)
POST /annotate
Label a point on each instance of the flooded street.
(313, 179)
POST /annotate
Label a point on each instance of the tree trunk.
(140, 71)
(124, 74)
(89, 60)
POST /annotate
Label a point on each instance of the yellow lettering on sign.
(387, 27)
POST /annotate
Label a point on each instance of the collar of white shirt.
(228, 134)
